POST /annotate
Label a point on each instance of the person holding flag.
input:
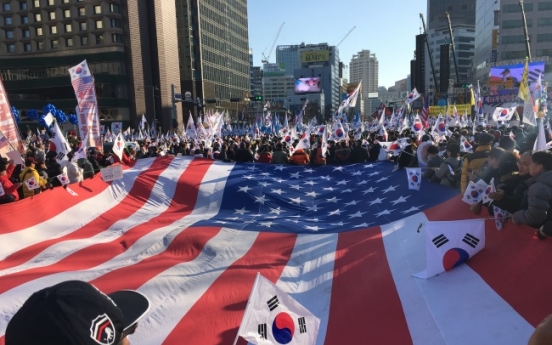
(32, 181)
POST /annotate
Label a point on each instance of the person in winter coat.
(299, 157)
(535, 207)
(74, 172)
(9, 189)
(28, 173)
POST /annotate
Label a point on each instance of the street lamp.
(153, 88)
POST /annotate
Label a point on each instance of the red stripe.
(101, 252)
(33, 211)
(515, 263)
(227, 297)
(365, 307)
(185, 247)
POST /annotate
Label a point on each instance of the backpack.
(457, 177)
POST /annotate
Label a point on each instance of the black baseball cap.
(75, 312)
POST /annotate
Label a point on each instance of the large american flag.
(344, 241)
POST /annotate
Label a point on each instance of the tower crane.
(344, 37)
(265, 60)
(429, 53)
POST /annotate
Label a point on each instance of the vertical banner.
(8, 127)
(87, 108)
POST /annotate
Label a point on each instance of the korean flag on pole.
(119, 146)
(63, 179)
(475, 192)
(449, 244)
(501, 216)
(414, 176)
(488, 190)
(273, 317)
(31, 183)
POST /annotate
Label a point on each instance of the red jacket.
(7, 185)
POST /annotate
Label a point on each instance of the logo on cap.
(102, 330)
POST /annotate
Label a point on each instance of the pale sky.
(385, 27)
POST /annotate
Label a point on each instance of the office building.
(364, 66)
(132, 63)
(214, 51)
(288, 56)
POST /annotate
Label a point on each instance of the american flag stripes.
(191, 234)
(425, 112)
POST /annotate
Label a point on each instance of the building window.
(518, 54)
(68, 28)
(6, 6)
(545, 6)
(84, 40)
(514, 8)
(54, 44)
(66, 1)
(98, 9)
(40, 45)
(26, 33)
(24, 20)
(67, 14)
(9, 34)
(544, 22)
(52, 15)
(27, 47)
(53, 30)
(36, 3)
(117, 38)
(513, 39)
(22, 5)
(544, 52)
(37, 17)
(51, 2)
(69, 42)
(516, 24)
(99, 24)
(99, 39)
(115, 8)
(10, 47)
(83, 26)
(39, 31)
(82, 11)
(544, 37)
(8, 21)
(116, 23)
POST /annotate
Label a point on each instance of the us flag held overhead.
(192, 234)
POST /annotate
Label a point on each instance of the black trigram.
(262, 330)
(273, 303)
(302, 325)
(440, 240)
(470, 240)
(60, 156)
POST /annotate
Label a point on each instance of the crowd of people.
(523, 179)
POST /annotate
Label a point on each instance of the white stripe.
(74, 217)
(159, 201)
(308, 276)
(209, 199)
(456, 307)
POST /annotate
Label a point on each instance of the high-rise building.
(130, 47)
(486, 38)
(462, 22)
(288, 56)
(214, 50)
(364, 66)
(138, 51)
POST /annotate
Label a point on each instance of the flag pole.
(257, 278)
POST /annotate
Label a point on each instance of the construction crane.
(265, 60)
(344, 37)
(453, 50)
(430, 55)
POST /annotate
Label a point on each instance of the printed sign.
(112, 173)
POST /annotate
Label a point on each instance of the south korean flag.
(273, 317)
(414, 176)
(488, 190)
(500, 216)
(449, 244)
(31, 183)
(475, 192)
(63, 179)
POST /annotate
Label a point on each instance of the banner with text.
(87, 108)
(8, 127)
(434, 110)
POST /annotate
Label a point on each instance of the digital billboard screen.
(307, 85)
(510, 75)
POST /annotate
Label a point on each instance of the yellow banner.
(461, 108)
(315, 56)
